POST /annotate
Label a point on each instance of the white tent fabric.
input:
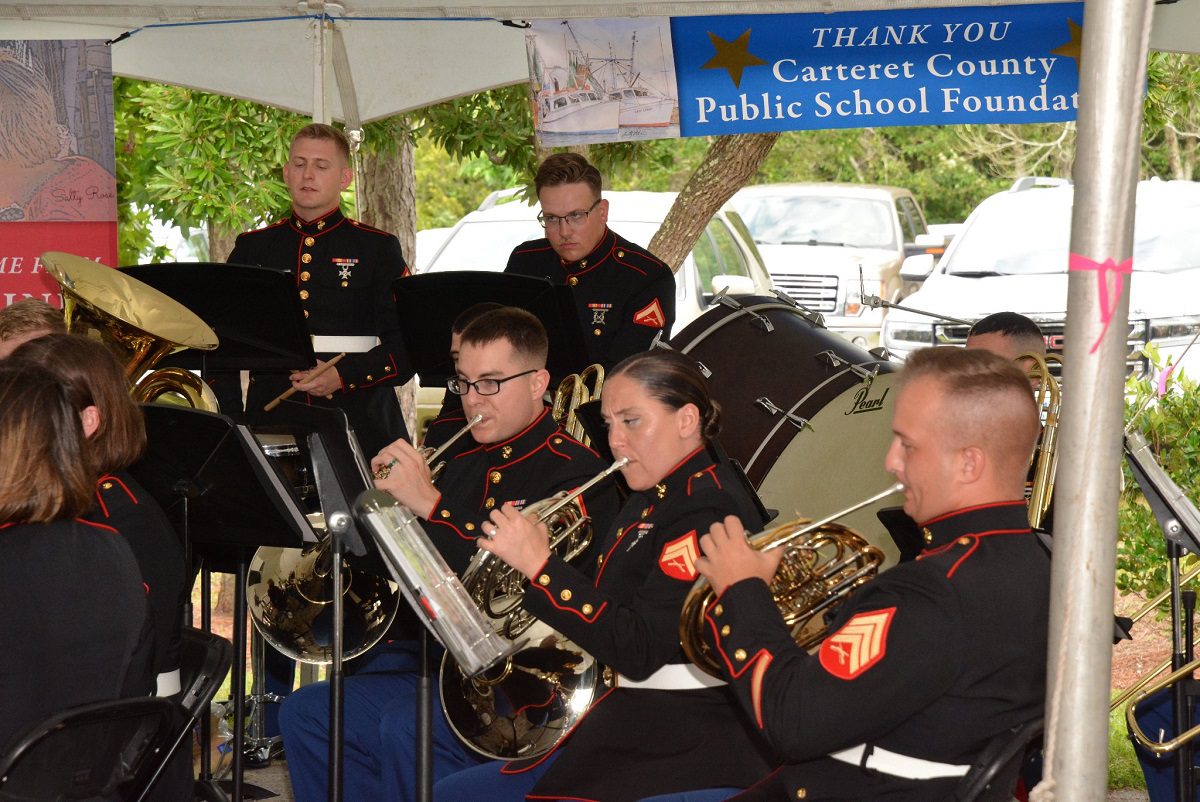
(403, 54)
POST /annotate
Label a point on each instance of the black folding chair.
(993, 776)
(100, 751)
(204, 660)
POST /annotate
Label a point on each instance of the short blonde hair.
(30, 314)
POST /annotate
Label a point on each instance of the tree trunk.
(389, 195)
(730, 162)
(1174, 157)
(220, 241)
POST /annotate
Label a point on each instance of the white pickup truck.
(1011, 256)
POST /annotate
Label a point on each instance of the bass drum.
(805, 413)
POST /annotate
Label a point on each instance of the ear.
(347, 178)
(603, 210)
(687, 419)
(91, 420)
(972, 462)
(541, 380)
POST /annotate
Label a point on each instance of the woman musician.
(666, 726)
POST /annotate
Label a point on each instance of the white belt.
(897, 765)
(168, 683)
(325, 344)
(672, 677)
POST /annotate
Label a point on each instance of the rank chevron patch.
(678, 558)
(652, 316)
(858, 645)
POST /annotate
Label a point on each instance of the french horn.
(1048, 398)
(823, 563)
(524, 707)
(572, 392)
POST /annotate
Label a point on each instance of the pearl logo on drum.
(864, 403)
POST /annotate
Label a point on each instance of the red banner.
(21, 247)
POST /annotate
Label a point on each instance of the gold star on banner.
(1074, 48)
(732, 56)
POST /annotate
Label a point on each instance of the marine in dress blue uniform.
(343, 271)
(638, 741)
(380, 756)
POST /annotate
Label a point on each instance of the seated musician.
(1007, 334)
(76, 625)
(520, 456)
(934, 658)
(450, 419)
(666, 726)
(25, 320)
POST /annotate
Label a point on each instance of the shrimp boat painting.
(570, 100)
(642, 105)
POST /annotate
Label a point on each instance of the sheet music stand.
(1179, 520)
(255, 312)
(428, 304)
(228, 498)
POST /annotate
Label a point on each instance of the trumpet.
(431, 455)
(526, 706)
(572, 392)
(1048, 397)
(824, 562)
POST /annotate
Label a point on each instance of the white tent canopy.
(402, 54)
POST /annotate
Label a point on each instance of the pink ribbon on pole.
(1107, 269)
(1163, 378)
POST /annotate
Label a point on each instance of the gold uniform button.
(739, 655)
(583, 262)
(565, 595)
(620, 254)
(306, 313)
(306, 258)
(725, 631)
(925, 533)
(489, 503)
(354, 387)
(573, 281)
(697, 474)
(107, 485)
(964, 541)
(387, 368)
(544, 579)
(470, 527)
(557, 440)
(801, 793)
(303, 295)
(718, 610)
(597, 332)
(370, 378)
(445, 513)
(586, 609)
(320, 225)
(494, 476)
(600, 560)
(345, 283)
(309, 241)
(305, 276)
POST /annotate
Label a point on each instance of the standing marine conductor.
(344, 272)
(624, 294)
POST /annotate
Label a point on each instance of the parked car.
(428, 242)
(1012, 255)
(725, 256)
(828, 245)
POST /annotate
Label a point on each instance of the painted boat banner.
(781, 72)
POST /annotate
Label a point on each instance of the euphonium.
(822, 564)
(139, 324)
(1048, 397)
(572, 392)
(524, 707)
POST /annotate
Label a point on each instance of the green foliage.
(495, 125)
(1171, 424)
(1124, 771)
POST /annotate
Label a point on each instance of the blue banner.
(933, 66)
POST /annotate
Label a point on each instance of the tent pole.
(321, 66)
(1112, 75)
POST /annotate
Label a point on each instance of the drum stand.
(260, 750)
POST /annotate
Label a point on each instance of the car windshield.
(1033, 235)
(819, 220)
(486, 244)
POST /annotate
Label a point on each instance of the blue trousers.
(1156, 715)
(380, 742)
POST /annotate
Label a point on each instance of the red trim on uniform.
(518, 711)
(359, 224)
(100, 496)
(954, 513)
(756, 682)
(712, 471)
(608, 556)
(276, 224)
(617, 259)
(679, 464)
(105, 527)
(560, 608)
(974, 536)
(506, 770)
(678, 557)
(561, 798)
(147, 587)
(601, 255)
(548, 247)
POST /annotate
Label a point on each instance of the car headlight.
(907, 335)
(1174, 328)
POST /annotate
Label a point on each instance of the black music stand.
(1179, 520)
(227, 497)
(255, 312)
(429, 303)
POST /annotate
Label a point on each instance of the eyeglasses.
(482, 386)
(575, 218)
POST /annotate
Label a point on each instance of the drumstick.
(288, 392)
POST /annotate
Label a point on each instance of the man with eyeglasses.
(625, 295)
(520, 456)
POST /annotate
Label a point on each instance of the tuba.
(290, 591)
(1048, 397)
(822, 564)
(139, 324)
(524, 707)
(572, 392)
